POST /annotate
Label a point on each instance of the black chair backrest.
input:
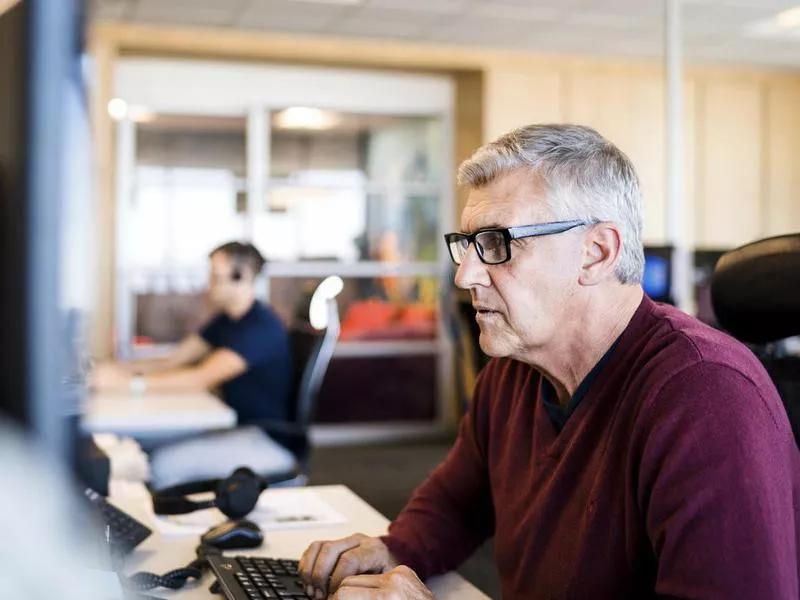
(311, 352)
(756, 290)
(305, 343)
(756, 297)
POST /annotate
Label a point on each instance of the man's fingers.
(326, 560)
(404, 571)
(361, 587)
(401, 583)
(306, 566)
(357, 561)
(363, 581)
(359, 593)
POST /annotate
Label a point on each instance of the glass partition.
(187, 193)
(320, 191)
(364, 188)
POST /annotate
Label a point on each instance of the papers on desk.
(276, 510)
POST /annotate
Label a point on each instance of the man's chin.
(491, 347)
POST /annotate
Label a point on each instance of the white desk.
(156, 414)
(160, 554)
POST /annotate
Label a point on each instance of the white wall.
(742, 138)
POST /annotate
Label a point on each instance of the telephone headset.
(240, 252)
(235, 496)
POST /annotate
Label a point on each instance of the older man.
(615, 448)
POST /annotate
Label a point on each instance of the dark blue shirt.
(559, 414)
(259, 337)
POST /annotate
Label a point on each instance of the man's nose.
(471, 272)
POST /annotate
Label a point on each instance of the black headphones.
(236, 495)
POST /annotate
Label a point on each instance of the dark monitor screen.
(13, 251)
(45, 216)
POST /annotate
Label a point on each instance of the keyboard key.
(268, 579)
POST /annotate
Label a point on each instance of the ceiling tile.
(699, 29)
(741, 50)
(435, 6)
(183, 15)
(713, 29)
(300, 9)
(768, 4)
(609, 20)
(477, 31)
(768, 31)
(725, 13)
(381, 29)
(189, 5)
(375, 22)
(291, 16)
(623, 7)
(543, 4)
(109, 10)
(631, 45)
(520, 12)
(736, 54)
(563, 40)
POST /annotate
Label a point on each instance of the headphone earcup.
(238, 494)
(245, 472)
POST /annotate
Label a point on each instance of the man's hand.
(401, 583)
(326, 564)
(109, 376)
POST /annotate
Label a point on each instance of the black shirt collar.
(559, 414)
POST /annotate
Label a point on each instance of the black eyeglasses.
(494, 245)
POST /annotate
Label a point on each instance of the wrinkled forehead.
(518, 198)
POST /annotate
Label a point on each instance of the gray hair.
(587, 178)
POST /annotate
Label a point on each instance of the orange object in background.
(395, 318)
(378, 319)
(366, 316)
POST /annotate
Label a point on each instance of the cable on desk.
(175, 579)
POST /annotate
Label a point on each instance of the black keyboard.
(248, 578)
(124, 532)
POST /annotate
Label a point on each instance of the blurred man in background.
(244, 352)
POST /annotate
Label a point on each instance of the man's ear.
(601, 249)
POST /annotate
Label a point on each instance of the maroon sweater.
(676, 476)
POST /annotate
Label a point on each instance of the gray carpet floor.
(385, 476)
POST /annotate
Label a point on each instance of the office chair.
(755, 293)
(312, 349)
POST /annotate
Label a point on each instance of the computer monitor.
(657, 280)
(45, 218)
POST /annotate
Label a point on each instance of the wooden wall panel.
(728, 209)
